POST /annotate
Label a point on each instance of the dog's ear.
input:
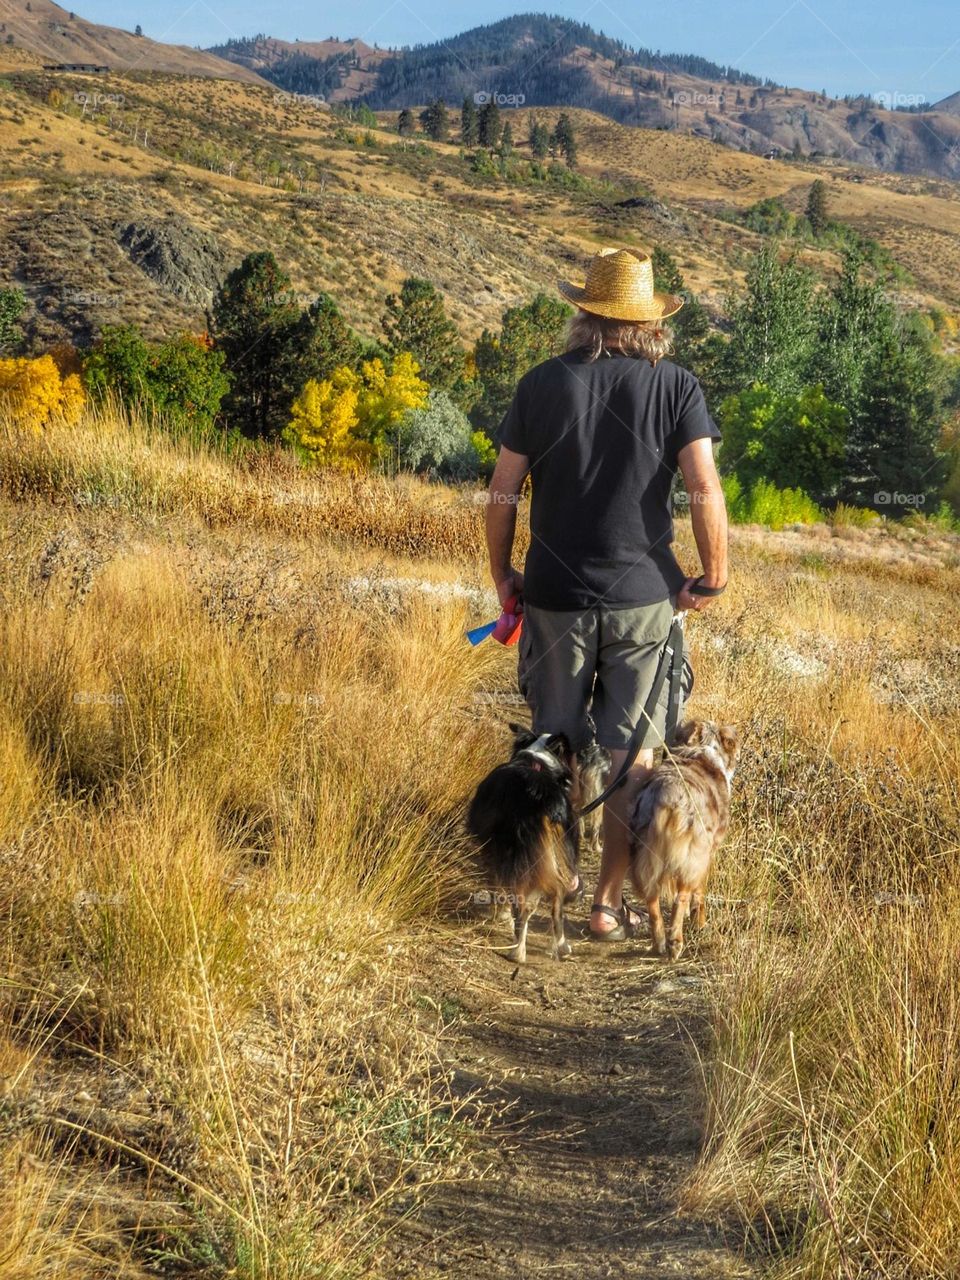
(689, 734)
(729, 739)
(559, 745)
(522, 736)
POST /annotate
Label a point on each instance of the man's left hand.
(686, 600)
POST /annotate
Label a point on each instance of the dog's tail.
(655, 844)
(539, 863)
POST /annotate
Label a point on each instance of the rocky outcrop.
(179, 258)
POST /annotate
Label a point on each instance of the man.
(602, 431)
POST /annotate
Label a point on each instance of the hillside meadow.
(213, 169)
(239, 724)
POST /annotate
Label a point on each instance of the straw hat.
(619, 285)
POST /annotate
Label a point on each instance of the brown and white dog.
(677, 822)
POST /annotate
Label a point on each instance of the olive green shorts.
(587, 673)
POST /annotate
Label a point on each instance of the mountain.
(41, 30)
(548, 62)
(341, 70)
(950, 104)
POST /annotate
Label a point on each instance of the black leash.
(671, 663)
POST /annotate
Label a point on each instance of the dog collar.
(539, 752)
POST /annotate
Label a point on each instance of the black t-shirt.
(602, 438)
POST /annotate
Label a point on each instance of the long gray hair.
(598, 336)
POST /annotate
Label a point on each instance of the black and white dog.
(527, 833)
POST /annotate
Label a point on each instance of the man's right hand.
(510, 585)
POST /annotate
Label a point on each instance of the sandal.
(626, 927)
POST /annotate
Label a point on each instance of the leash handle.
(671, 662)
(696, 588)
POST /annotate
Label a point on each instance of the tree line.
(833, 392)
(484, 125)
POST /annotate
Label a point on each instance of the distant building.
(89, 68)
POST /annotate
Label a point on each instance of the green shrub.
(764, 503)
(438, 440)
(844, 516)
(797, 441)
(181, 379)
(942, 520)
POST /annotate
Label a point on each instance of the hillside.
(350, 67)
(134, 208)
(49, 34)
(553, 62)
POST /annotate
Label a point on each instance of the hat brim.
(664, 304)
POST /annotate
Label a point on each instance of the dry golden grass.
(831, 1080)
(223, 807)
(236, 754)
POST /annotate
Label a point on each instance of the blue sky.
(846, 46)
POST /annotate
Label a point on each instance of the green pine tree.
(563, 142)
(12, 303)
(256, 326)
(539, 139)
(434, 121)
(324, 341)
(816, 210)
(690, 324)
(406, 124)
(528, 335)
(416, 321)
(772, 330)
(469, 124)
(490, 127)
(852, 319)
(894, 444)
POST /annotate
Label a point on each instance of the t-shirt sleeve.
(692, 420)
(514, 429)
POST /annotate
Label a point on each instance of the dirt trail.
(593, 1055)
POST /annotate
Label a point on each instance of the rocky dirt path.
(592, 1058)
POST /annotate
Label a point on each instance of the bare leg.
(675, 936)
(615, 859)
(658, 937)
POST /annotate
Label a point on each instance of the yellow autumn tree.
(345, 421)
(323, 423)
(387, 397)
(33, 392)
